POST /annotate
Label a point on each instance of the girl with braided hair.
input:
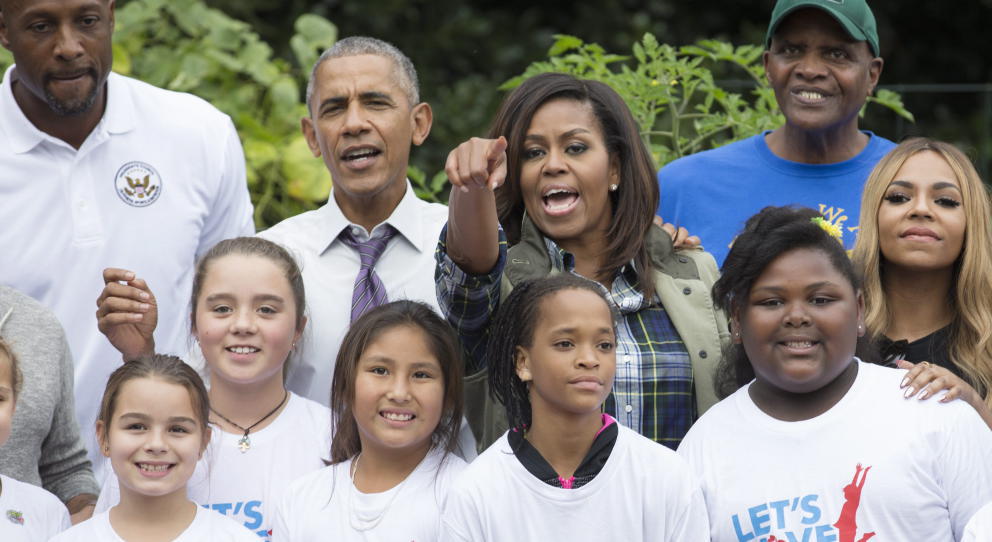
(566, 470)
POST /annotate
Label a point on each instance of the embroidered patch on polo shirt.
(138, 184)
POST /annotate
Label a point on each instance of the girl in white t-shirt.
(815, 444)
(153, 427)
(566, 471)
(247, 313)
(397, 402)
(31, 512)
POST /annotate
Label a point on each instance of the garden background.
(690, 70)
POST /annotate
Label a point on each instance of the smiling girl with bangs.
(397, 403)
(152, 427)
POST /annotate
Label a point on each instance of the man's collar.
(22, 135)
(405, 218)
(119, 116)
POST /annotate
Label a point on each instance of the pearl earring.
(613, 187)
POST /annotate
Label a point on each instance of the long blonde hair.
(971, 327)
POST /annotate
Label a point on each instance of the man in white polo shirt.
(99, 170)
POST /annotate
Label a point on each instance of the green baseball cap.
(854, 15)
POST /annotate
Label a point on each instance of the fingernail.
(129, 275)
(909, 392)
(144, 295)
(904, 382)
(144, 306)
(923, 395)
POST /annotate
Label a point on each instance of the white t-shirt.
(644, 492)
(206, 526)
(157, 182)
(29, 512)
(979, 529)
(325, 505)
(903, 469)
(247, 486)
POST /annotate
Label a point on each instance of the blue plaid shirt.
(653, 388)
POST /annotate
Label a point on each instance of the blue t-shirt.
(713, 193)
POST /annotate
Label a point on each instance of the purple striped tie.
(369, 291)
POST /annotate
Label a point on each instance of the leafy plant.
(434, 190)
(672, 92)
(186, 46)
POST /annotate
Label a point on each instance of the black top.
(933, 348)
(534, 462)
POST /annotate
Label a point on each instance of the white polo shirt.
(159, 181)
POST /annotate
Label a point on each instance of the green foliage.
(434, 190)
(679, 105)
(184, 45)
(893, 101)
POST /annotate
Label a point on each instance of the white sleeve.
(449, 533)
(231, 213)
(83, 531)
(963, 466)
(280, 523)
(64, 520)
(980, 526)
(686, 519)
(691, 449)
(110, 492)
(458, 510)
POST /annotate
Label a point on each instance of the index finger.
(497, 150)
(496, 163)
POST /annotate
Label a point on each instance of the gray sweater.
(44, 447)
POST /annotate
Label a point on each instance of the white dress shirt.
(329, 268)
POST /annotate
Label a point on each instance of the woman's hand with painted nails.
(925, 380)
(477, 162)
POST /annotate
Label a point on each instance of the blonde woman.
(925, 250)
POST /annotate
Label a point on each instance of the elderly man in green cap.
(822, 60)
